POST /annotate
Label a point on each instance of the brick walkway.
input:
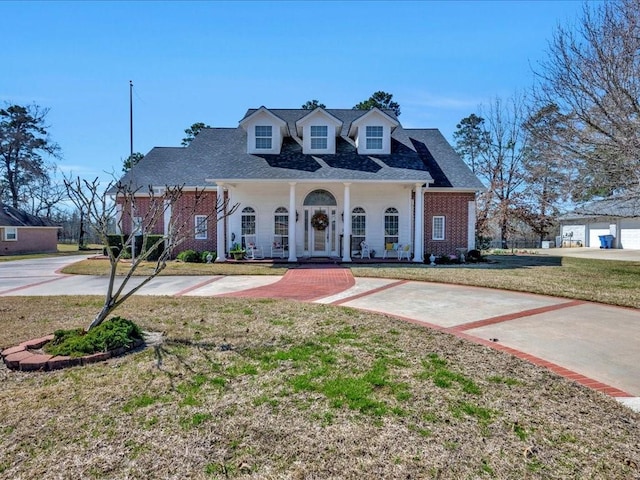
(303, 284)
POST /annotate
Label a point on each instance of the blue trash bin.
(603, 241)
(609, 241)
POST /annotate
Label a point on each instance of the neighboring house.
(319, 183)
(21, 232)
(617, 217)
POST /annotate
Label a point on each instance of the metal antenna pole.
(133, 187)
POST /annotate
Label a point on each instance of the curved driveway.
(593, 344)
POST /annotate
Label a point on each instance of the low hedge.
(116, 242)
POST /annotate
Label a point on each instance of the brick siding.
(207, 206)
(31, 240)
(455, 209)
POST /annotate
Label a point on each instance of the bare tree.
(547, 180)
(45, 194)
(500, 163)
(99, 210)
(592, 74)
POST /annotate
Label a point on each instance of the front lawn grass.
(276, 389)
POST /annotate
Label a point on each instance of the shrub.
(203, 256)
(446, 259)
(114, 333)
(114, 242)
(474, 256)
(189, 256)
(156, 252)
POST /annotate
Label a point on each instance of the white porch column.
(471, 225)
(166, 219)
(220, 218)
(292, 222)
(418, 241)
(119, 218)
(346, 239)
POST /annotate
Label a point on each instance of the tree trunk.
(81, 233)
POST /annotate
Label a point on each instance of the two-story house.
(321, 182)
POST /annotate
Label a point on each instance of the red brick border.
(27, 358)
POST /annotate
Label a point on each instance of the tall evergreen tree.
(23, 142)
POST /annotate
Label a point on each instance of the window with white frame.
(201, 227)
(391, 225)
(137, 225)
(248, 223)
(319, 134)
(10, 234)
(437, 231)
(358, 228)
(374, 137)
(263, 137)
(281, 225)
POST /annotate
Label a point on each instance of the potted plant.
(237, 252)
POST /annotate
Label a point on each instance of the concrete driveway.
(602, 254)
(593, 344)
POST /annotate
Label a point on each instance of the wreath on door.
(320, 221)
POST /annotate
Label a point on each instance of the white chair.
(277, 247)
(253, 251)
(364, 250)
(404, 251)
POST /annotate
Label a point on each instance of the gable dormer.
(265, 132)
(372, 132)
(318, 131)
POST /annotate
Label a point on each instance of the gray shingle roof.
(12, 217)
(608, 207)
(221, 154)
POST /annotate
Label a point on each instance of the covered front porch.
(298, 222)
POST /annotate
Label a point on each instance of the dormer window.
(319, 134)
(374, 137)
(372, 132)
(263, 137)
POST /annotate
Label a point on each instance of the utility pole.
(133, 187)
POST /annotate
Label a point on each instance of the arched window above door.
(320, 198)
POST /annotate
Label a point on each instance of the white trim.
(471, 225)
(433, 227)
(200, 233)
(5, 235)
(418, 240)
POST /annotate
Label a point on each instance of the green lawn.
(269, 389)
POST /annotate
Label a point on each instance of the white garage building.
(619, 218)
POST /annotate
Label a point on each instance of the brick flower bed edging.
(27, 357)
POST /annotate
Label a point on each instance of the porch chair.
(404, 251)
(253, 251)
(389, 248)
(364, 250)
(277, 247)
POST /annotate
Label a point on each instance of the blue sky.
(211, 61)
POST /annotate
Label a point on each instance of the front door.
(321, 231)
(320, 224)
